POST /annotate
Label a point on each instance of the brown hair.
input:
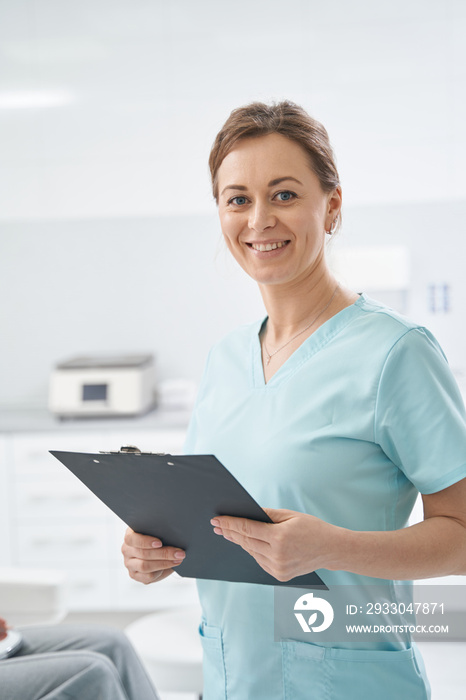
(285, 118)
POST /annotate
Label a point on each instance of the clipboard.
(173, 498)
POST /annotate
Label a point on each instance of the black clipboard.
(173, 497)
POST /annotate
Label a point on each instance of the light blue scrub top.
(361, 417)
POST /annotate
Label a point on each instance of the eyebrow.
(277, 180)
(272, 183)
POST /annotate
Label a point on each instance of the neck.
(290, 309)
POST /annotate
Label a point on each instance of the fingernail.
(180, 555)
(214, 521)
(156, 543)
(218, 531)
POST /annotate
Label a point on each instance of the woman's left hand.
(292, 545)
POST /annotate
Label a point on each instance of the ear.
(334, 202)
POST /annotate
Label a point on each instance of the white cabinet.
(50, 520)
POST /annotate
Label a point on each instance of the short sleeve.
(420, 418)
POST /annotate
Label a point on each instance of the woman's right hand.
(146, 559)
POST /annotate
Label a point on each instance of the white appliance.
(103, 386)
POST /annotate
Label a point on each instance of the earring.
(333, 227)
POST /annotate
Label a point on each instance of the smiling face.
(273, 211)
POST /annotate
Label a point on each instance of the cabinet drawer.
(31, 453)
(65, 499)
(51, 545)
(89, 589)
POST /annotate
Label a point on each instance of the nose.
(261, 217)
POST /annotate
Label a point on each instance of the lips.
(265, 247)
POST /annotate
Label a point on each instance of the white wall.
(149, 82)
(101, 286)
(114, 175)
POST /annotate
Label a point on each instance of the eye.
(239, 200)
(285, 196)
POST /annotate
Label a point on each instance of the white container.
(103, 386)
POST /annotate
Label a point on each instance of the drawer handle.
(82, 585)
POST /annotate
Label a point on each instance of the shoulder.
(410, 361)
(383, 317)
(390, 329)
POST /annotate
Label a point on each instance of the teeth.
(269, 246)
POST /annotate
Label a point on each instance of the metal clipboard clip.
(130, 449)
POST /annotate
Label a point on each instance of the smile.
(263, 247)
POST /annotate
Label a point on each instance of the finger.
(141, 568)
(270, 565)
(279, 574)
(147, 566)
(146, 579)
(135, 539)
(265, 562)
(249, 544)
(149, 572)
(159, 554)
(243, 526)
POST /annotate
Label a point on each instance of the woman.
(334, 412)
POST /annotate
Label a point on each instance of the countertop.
(38, 420)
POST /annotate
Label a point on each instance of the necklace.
(271, 354)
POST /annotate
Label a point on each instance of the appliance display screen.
(95, 392)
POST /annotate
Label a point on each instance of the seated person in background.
(61, 661)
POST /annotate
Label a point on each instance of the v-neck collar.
(309, 347)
